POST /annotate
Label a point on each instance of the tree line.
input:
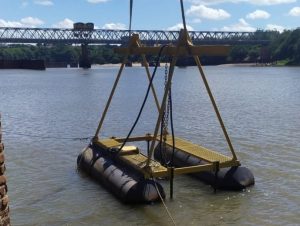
(58, 53)
(284, 48)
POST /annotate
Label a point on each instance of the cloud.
(4, 23)
(253, 2)
(24, 22)
(196, 21)
(258, 14)
(114, 26)
(275, 27)
(270, 2)
(179, 26)
(66, 23)
(295, 11)
(31, 22)
(97, 1)
(242, 25)
(44, 2)
(201, 11)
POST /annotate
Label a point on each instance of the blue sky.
(225, 15)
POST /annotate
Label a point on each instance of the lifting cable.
(146, 96)
(172, 129)
(130, 16)
(183, 15)
(163, 202)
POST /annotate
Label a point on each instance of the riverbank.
(223, 65)
(23, 64)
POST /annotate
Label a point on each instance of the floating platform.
(230, 176)
(129, 185)
(140, 170)
(155, 169)
(126, 174)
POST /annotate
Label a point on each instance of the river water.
(42, 109)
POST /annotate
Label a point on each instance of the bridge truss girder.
(102, 36)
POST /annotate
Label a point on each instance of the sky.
(201, 15)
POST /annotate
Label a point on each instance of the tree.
(238, 53)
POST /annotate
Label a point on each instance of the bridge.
(92, 36)
(102, 36)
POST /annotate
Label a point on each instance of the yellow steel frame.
(139, 161)
(146, 164)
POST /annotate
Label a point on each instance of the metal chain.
(167, 109)
(164, 123)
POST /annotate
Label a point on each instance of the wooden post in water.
(4, 209)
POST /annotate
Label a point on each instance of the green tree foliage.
(265, 35)
(254, 54)
(287, 47)
(284, 46)
(59, 53)
(278, 46)
(238, 54)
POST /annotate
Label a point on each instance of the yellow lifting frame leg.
(145, 163)
(215, 107)
(185, 41)
(163, 104)
(110, 98)
(134, 43)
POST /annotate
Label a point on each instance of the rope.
(48, 137)
(163, 202)
(146, 97)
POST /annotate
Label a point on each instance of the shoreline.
(222, 65)
(135, 65)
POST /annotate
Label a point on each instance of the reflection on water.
(260, 107)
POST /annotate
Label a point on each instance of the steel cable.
(146, 96)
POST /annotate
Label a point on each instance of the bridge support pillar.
(265, 55)
(84, 59)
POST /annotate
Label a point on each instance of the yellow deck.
(108, 143)
(197, 150)
(135, 159)
(139, 161)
